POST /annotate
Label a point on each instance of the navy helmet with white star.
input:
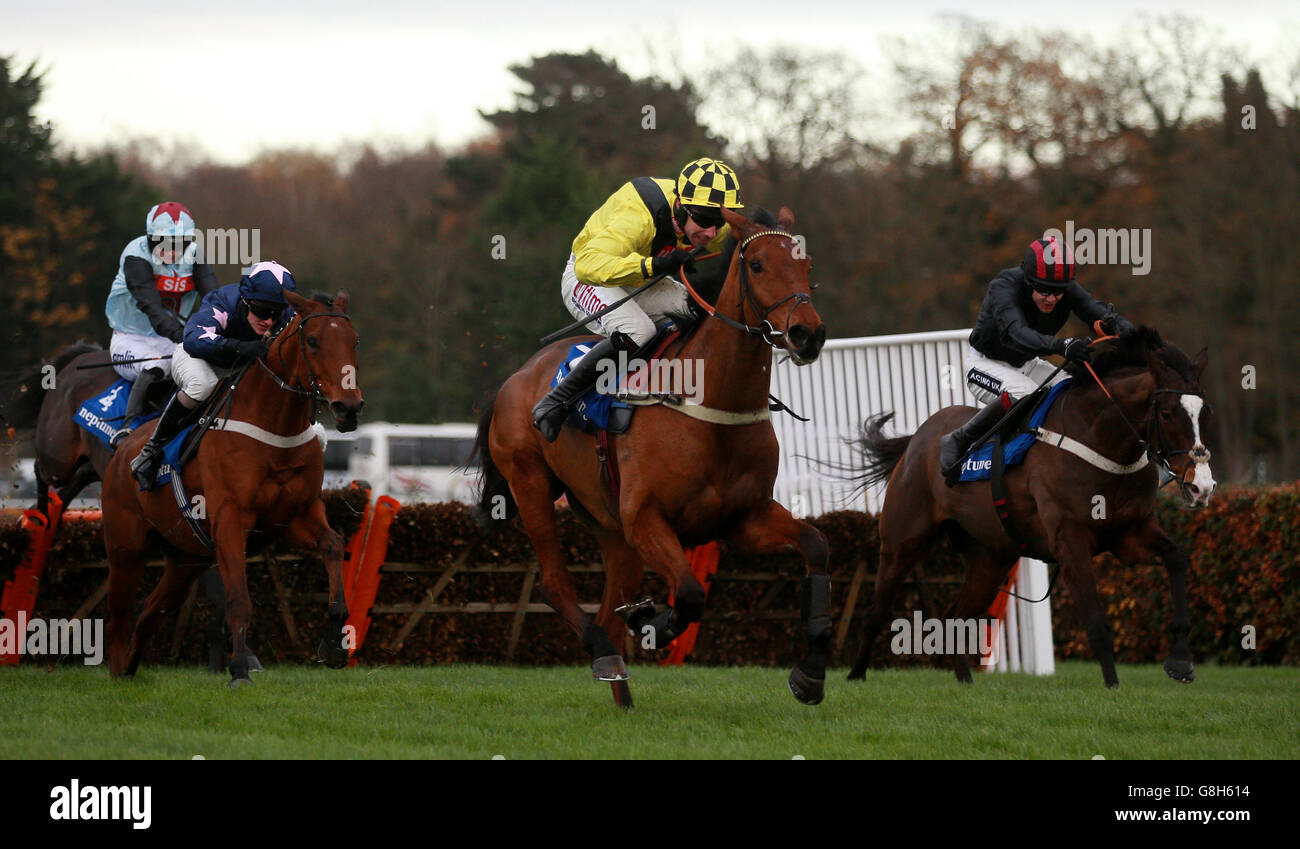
(266, 281)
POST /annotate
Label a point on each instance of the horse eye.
(1165, 415)
(357, 346)
(756, 266)
(812, 287)
(313, 342)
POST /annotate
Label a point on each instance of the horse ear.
(301, 305)
(1199, 364)
(341, 300)
(740, 225)
(785, 218)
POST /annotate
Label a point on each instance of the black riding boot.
(953, 447)
(145, 466)
(551, 411)
(135, 403)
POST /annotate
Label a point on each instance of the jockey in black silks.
(1022, 312)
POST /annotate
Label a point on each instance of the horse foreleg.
(310, 531)
(656, 542)
(985, 572)
(230, 529)
(1149, 544)
(1074, 548)
(624, 571)
(772, 530)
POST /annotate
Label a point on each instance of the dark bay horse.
(685, 481)
(1066, 507)
(258, 477)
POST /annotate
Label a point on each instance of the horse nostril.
(798, 335)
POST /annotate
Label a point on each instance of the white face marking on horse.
(1204, 478)
(334, 324)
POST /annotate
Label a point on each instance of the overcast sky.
(234, 77)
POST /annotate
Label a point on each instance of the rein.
(1153, 445)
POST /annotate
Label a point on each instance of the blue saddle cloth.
(102, 415)
(979, 465)
(593, 409)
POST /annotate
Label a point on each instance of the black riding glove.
(253, 349)
(669, 263)
(1076, 350)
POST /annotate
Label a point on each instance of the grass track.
(691, 712)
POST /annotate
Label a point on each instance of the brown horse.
(46, 398)
(685, 481)
(258, 477)
(1067, 508)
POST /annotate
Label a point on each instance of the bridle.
(1154, 444)
(313, 391)
(764, 328)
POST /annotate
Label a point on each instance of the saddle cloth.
(597, 410)
(979, 463)
(100, 414)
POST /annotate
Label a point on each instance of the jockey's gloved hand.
(1076, 350)
(252, 349)
(671, 262)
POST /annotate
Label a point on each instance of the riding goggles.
(264, 309)
(705, 216)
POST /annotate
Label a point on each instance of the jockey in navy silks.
(1022, 312)
(157, 287)
(235, 322)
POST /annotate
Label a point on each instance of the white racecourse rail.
(915, 375)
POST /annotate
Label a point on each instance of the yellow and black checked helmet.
(709, 182)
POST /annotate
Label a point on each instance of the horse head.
(1176, 420)
(769, 281)
(1180, 420)
(320, 347)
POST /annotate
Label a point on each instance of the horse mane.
(322, 298)
(1130, 351)
(709, 283)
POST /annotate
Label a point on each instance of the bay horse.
(1065, 507)
(685, 481)
(45, 399)
(259, 475)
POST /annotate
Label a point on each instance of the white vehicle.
(410, 462)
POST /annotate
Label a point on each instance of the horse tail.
(881, 452)
(21, 393)
(494, 491)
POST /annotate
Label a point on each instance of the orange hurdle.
(19, 595)
(704, 562)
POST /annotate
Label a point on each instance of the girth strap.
(264, 436)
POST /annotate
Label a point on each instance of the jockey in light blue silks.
(234, 323)
(158, 285)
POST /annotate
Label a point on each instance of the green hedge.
(1244, 549)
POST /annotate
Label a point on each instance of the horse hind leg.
(166, 597)
(895, 565)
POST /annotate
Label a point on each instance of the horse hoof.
(335, 657)
(609, 668)
(236, 683)
(254, 665)
(856, 675)
(1180, 670)
(805, 688)
(622, 694)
